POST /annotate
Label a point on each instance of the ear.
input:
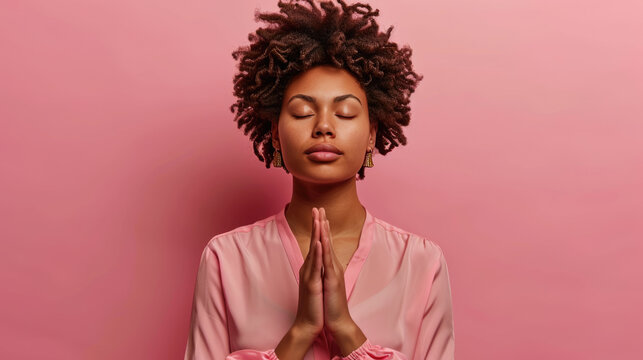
(373, 135)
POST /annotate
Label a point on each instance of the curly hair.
(298, 38)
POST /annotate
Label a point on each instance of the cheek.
(292, 136)
(355, 143)
(358, 133)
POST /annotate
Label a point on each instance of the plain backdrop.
(119, 160)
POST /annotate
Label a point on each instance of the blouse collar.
(356, 262)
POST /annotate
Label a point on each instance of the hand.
(336, 314)
(310, 309)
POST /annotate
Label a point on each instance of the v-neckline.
(295, 257)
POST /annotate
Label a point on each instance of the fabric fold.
(247, 291)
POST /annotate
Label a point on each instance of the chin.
(324, 175)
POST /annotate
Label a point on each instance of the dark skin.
(325, 105)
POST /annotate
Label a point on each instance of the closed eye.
(305, 116)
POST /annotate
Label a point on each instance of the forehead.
(325, 82)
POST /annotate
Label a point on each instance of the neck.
(345, 213)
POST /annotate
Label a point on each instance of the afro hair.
(300, 37)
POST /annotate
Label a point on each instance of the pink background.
(119, 160)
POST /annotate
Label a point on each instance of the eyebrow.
(314, 101)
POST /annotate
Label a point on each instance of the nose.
(324, 125)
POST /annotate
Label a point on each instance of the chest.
(344, 248)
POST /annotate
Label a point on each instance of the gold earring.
(368, 159)
(276, 161)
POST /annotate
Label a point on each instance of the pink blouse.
(247, 290)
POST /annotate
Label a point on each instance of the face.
(324, 105)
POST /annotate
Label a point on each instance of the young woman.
(319, 90)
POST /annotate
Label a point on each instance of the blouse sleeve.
(436, 340)
(371, 351)
(208, 334)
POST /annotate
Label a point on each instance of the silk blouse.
(247, 291)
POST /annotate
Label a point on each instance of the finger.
(319, 266)
(333, 255)
(324, 220)
(329, 249)
(318, 260)
(318, 228)
(328, 262)
(312, 233)
(312, 236)
(331, 262)
(330, 236)
(311, 258)
(311, 251)
(307, 266)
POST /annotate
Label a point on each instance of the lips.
(323, 152)
(323, 147)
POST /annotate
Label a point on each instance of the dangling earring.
(368, 159)
(276, 161)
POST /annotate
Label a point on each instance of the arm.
(436, 340)
(208, 334)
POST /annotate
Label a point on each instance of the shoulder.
(421, 245)
(241, 235)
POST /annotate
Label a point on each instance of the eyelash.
(340, 116)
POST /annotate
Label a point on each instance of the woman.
(319, 90)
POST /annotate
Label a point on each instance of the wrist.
(346, 327)
(303, 333)
(294, 344)
(348, 337)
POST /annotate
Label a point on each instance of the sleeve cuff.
(270, 354)
(252, 354)
(359, 353)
